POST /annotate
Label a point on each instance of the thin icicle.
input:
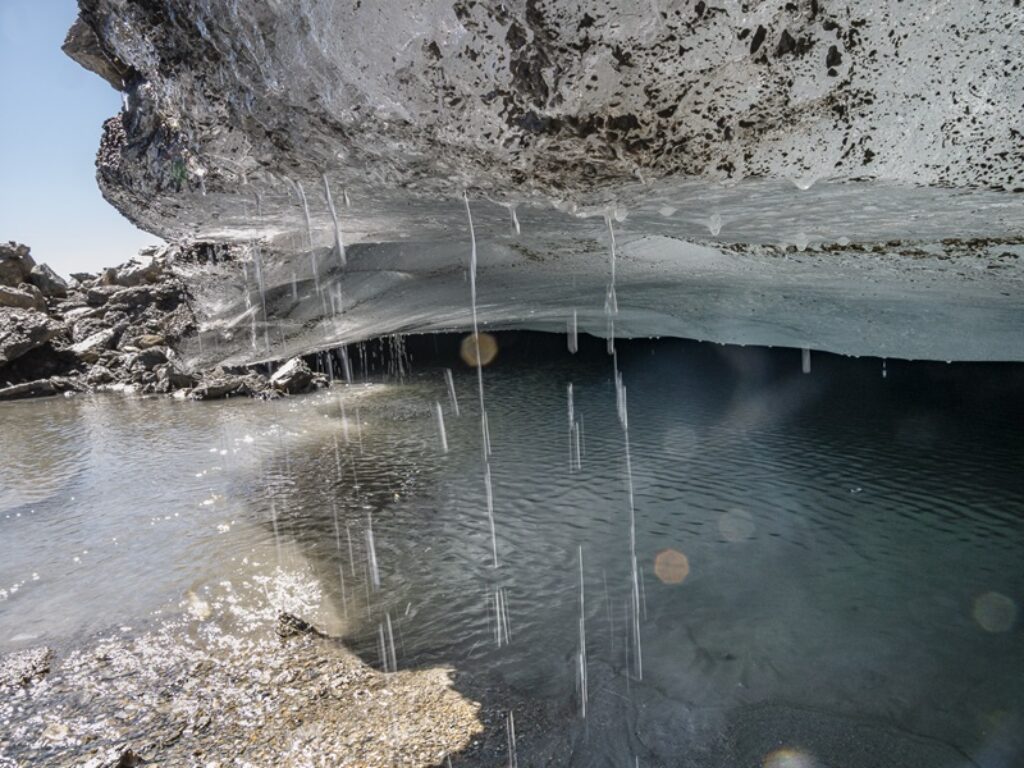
(339, 240)
(805, 360)
(573, 333)
(309, 234)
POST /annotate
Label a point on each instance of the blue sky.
(52, 112)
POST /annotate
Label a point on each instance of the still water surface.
(831, 565)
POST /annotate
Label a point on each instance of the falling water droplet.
(440, 426)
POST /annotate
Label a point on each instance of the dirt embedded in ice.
(222, 684)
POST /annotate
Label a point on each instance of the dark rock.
(289, 625)
(52, 285)
(150, 358)
(16, 264)
(220, 387)
(98, 295)
(139, 296)
(99, 374)
(170, 379)
(293, 377)
(39, 388)
(23, 330)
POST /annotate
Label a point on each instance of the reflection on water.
(830, 563)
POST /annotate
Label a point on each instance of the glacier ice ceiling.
(844, 176)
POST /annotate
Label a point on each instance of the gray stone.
(139, 271)
(19, 298)
(16, 264)
(89, 349)
(293, 377)
(39, 388)
(86, 327)
(139, 296)
(152, 357)
(98, 295)
(52, 285)
(22, 330)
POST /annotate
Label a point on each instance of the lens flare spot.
(994, 612)
(788, 758)
(736, 525)
(479, 349)
(671, 566)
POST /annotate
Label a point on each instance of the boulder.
(170, 379)
(293, 377)
(138, 296)
(85, 327)
(219, 387)
(88, 350)
(97, 295)
(20, 298)
(52, 285)
(139, 271)
(22, 330)
(151, 357)
(16, 264)
(82, 313)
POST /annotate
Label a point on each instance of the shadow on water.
(830, 562)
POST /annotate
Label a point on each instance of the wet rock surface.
(224, 685)
(118, 330)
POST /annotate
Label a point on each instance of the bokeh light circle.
(487, 346)
(994, 612)
(671, 566)
(788, 758)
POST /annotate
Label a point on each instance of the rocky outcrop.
(120, 330)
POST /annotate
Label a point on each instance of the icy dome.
(835, 175)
